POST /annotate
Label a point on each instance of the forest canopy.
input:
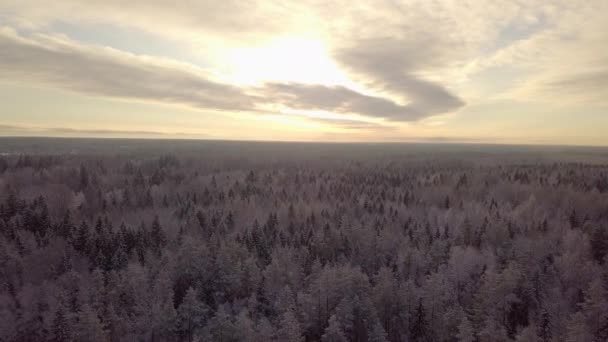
(122, 240)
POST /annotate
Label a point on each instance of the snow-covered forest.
(192, 241)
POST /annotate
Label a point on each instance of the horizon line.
(329, 142)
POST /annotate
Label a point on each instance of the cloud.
(418, 58)
(29, 130)
(589, 83)
(66, 130)
(109, 72)
(454, 139)
(354, 124)
(418, 37)
(337, 99)
(230, 18)
(391, 65)
(10, 128)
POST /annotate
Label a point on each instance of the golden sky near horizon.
(444, 70)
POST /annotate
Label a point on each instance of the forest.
(135, 240)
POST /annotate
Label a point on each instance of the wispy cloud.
(337, 99)
(391, 64)
(589, 84)
(109, 72)
(354, 124)
(34, 130)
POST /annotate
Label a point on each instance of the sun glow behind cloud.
(298, 59)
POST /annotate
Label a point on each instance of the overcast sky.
(466, 71)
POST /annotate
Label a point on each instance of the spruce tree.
(333, 332)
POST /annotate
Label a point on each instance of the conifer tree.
(191, 315)
(419, 326)
(333, 332)
(289, 328)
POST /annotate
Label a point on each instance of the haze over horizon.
(528, 72)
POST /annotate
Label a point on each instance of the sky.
(525, 72)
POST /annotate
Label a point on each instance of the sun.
(298, 59)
